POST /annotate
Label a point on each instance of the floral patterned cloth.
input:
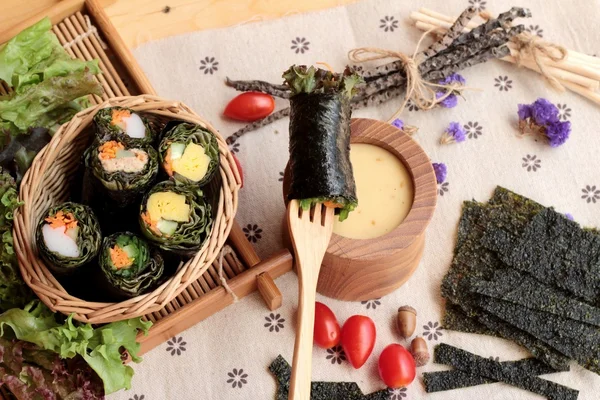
(227, 355)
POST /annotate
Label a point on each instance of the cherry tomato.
(250, 106)
(327, 329)
(358, 339)
(239, 167)
(396, 366)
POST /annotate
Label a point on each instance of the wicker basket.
(53, 170)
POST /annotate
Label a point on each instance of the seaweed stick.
(463, 52)
(468, 362)
(503, 21)
(284, 112)
(456, 379)
(455, 31)
(495, 52)
(260, 86)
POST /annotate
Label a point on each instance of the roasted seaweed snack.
(129, 267)
(189, 153)
(124, 171)
(68, 237)
(122, 124)
(320, 166)
(176, 218)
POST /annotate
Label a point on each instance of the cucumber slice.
(131, 250)
(124, 154)
(167, 227)
(177, 150)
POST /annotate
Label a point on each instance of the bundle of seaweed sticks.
(526, 273)
(454, 51)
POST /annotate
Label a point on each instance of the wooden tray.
(75, 22)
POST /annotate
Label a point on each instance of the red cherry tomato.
(358, 339)
(239, 167)
(250, 106)
(396, 366)
(327, 329)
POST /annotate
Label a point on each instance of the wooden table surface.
(139, 21)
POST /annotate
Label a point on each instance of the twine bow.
(529, 44)
(418, 90)
(226, 250)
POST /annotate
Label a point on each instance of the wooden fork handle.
(300, 383)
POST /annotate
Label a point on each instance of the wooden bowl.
(47, 183)
(364, 269)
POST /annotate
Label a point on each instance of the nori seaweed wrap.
(176, 218)
(128, 265)
(320, 113)
(124, 171)
(118, 123)
(68, 237)
(189, 153)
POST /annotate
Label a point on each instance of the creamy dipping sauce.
(385, 193)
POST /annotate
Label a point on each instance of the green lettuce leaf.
(13, 291)
(34, 55)
(49, 102)
(100, 348)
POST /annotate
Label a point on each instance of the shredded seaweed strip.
(519, 288)
(455, 379)
(576, 340)
(468, 362)
(320, 390)
(320, 166)
(554, 250)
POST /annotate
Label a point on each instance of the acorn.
(406, 321)
(419, 351)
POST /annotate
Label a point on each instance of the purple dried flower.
(454, 78)
(449, 102)
(441, 171)
(558, 132)
(456, 131)
(543, 112)
(524, 111)
(569, 216)
(398, 123)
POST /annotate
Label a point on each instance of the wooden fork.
(310, 232)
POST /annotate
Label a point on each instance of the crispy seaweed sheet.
(319, 147)
(456, 379)
(468, 362)
(473, 261)
(516, 287)
(554, 250)
(320, 390)
(576, 340)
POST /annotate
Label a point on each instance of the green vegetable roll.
(124, 171)
(68, 237)
(176, 218)
(189, 153)
(123, 124)
(128, 265)
(320, 112)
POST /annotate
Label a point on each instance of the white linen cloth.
(235, 346)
